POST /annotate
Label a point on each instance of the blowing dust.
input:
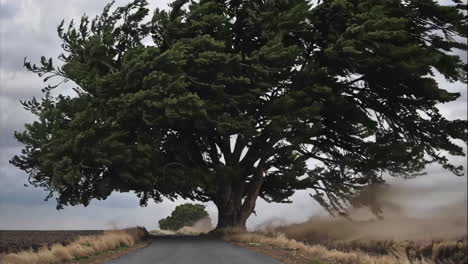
(407, 213)
(202, 226)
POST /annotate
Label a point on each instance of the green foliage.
(183, 215)
(346, 85)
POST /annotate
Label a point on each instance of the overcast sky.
(28, 28)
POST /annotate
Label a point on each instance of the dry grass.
(398, 254)
(427, 239)
(434, 237)
(82, 247)
(436, 250)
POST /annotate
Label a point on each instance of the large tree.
(231, 100)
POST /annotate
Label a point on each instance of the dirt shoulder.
(288, 256)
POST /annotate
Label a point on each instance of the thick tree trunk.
(231, 218)
(233, 207)
(229, 205)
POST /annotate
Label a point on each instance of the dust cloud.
(202, 226)
(407, 213)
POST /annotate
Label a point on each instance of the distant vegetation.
(183, 215)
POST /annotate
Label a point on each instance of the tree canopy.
(183, 215)
(230, 100)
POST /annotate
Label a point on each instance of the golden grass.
(81, 247)
(437, 250)
(350, 236)
(398, 254)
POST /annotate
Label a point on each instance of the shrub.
(183, 215)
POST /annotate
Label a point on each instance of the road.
(192, 250)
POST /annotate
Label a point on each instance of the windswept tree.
(184, 215)
(232, 100)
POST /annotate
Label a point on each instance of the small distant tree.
(183, 215)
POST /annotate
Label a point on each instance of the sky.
(28, 29)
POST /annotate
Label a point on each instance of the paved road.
(193, 250)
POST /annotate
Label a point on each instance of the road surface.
(192, 250)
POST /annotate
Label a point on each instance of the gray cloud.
(456, 109)
(12, 118)
(7, 11)
(28, 29)
(12, 189)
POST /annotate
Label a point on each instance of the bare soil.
(18, 240)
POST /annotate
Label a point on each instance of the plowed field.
(13, 241)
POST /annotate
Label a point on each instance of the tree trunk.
(233, 208)
(231, 218)
(229, 205)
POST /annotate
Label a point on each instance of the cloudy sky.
(28, 28)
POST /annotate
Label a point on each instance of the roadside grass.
(438, 251)
(81, 248)
(398, 254)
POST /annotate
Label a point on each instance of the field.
(15, 241)
(54, 247)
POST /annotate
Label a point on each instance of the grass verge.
(81, 248)
(321, 254)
